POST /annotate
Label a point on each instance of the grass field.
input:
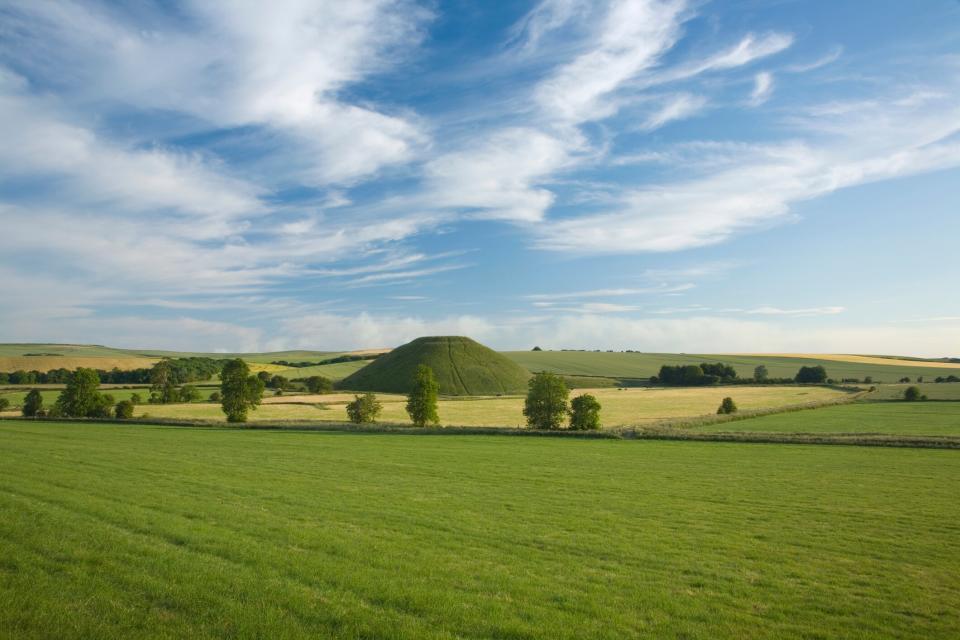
(620, 407)
(644, 365)
(901, 418)
(121, 531)
(934, 391)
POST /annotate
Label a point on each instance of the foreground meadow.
(620, 406)
(123, 531)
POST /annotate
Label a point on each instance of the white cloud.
(631, 38)
(496, 177)
(823, 61)
(811, 311)
(279, 65)
(677, 107)
(762, 88)
(603, 293)
(753, 186)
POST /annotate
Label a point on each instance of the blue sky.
(660, 175)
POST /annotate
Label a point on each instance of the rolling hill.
(462, 367)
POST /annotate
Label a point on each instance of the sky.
(657, 175)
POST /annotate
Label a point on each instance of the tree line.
(706, 374)
(181, 371)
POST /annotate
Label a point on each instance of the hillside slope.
(461, 365)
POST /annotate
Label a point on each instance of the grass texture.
(113, 531)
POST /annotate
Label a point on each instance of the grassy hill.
(644, 365)
(462, 367)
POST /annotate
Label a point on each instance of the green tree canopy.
(364, 408)
(912, 394)
(80, 398)
(727, 406)
(546, 403)
(422, 399)
(123, 410)
(162, 382)
(239, 391)
(760, 373)
(33, 403)
(319, 384)
(584, 413)
(815, 374)
(4, 404)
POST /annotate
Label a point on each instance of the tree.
(364, 408)
(912, 394)
(33, 404)
(422, 400)
(584, 413)
(727, 406)
(239, 391)
(815, 374)
(4, 404)
(319, 384)
(278, 382)
(81, 399)
(136, 399)
(760, 374)
(123, 410)
(162, 384)
(189, 393)
(215, 396)
(546, 403)
(537, 349)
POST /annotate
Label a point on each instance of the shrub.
(4, 404)
(422, 399)
(319, 384)
(760, 373)
(912, 394)
(123, 410)
(537, 349)
(364, 409)
(727, 406)
(584, 413)
(546, 403)
(215, 396)
(189, 393)
(815, 374)
(136, 399)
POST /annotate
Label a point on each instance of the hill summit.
(462, 367)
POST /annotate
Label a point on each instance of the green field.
(644, 365)
(901, 418)
(121, 531)
(934, 391)
(620, 407)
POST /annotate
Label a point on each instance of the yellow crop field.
(47, 363)
(277, 369)
(626, 407)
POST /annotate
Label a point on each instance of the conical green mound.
(463, 367)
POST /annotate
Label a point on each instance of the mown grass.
(111, 531)
(900, 418)
(620, 407)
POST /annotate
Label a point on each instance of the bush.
(364, 409)
(215, 396)
(123, 410)
(760, 373)
(189, 393)
(546, 403)
(815, 374)
(422, 399)
(584, 413)
(319, 384)
(136, 399)
(537, 349)
(4, 404)
(912, 394)
(727, 406)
